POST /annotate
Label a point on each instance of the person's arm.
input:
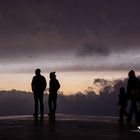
(58, 85)
(128, 90)
(32, 84)
(44, 83)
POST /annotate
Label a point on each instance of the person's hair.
(38, 71)
(52, 74)
(131, 73)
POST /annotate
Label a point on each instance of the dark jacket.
(133, 88)
(54, 86)
(123, 99)
(39, 84)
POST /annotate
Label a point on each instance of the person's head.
(131, 74)
(52, 75)
(122, 90)
(37, 72)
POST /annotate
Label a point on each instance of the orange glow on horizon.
(71, 82)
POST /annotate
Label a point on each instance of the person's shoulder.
(43, 77)
(137, 79)
(34, 77)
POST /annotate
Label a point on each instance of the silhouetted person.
(53, 88)
(123, 104)
(133, 92)
(38, 87)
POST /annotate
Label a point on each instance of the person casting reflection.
(38, 87)
(53, 88)
(133, 94)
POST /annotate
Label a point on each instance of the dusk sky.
(80, 39)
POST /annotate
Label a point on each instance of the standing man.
(133, 94)
(38, 87)
(53, 88)
(123, 104)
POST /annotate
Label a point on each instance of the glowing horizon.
(71, 82)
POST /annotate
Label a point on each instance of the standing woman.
(53, 89)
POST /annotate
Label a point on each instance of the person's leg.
(121, 114)
(35, 105)
(50, 103)
(131, 111)
(41, 105)
(135, 111)
(54, 103)
(125, 113)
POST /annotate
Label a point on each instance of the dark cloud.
(93, 50)
(34, 29)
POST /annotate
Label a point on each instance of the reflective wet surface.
(66, 127)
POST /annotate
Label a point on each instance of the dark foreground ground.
(66, 127)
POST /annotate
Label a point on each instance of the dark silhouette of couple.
(39, 85)
(132, 94)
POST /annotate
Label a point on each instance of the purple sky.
(69, 35)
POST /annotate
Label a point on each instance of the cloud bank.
(86, 103)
